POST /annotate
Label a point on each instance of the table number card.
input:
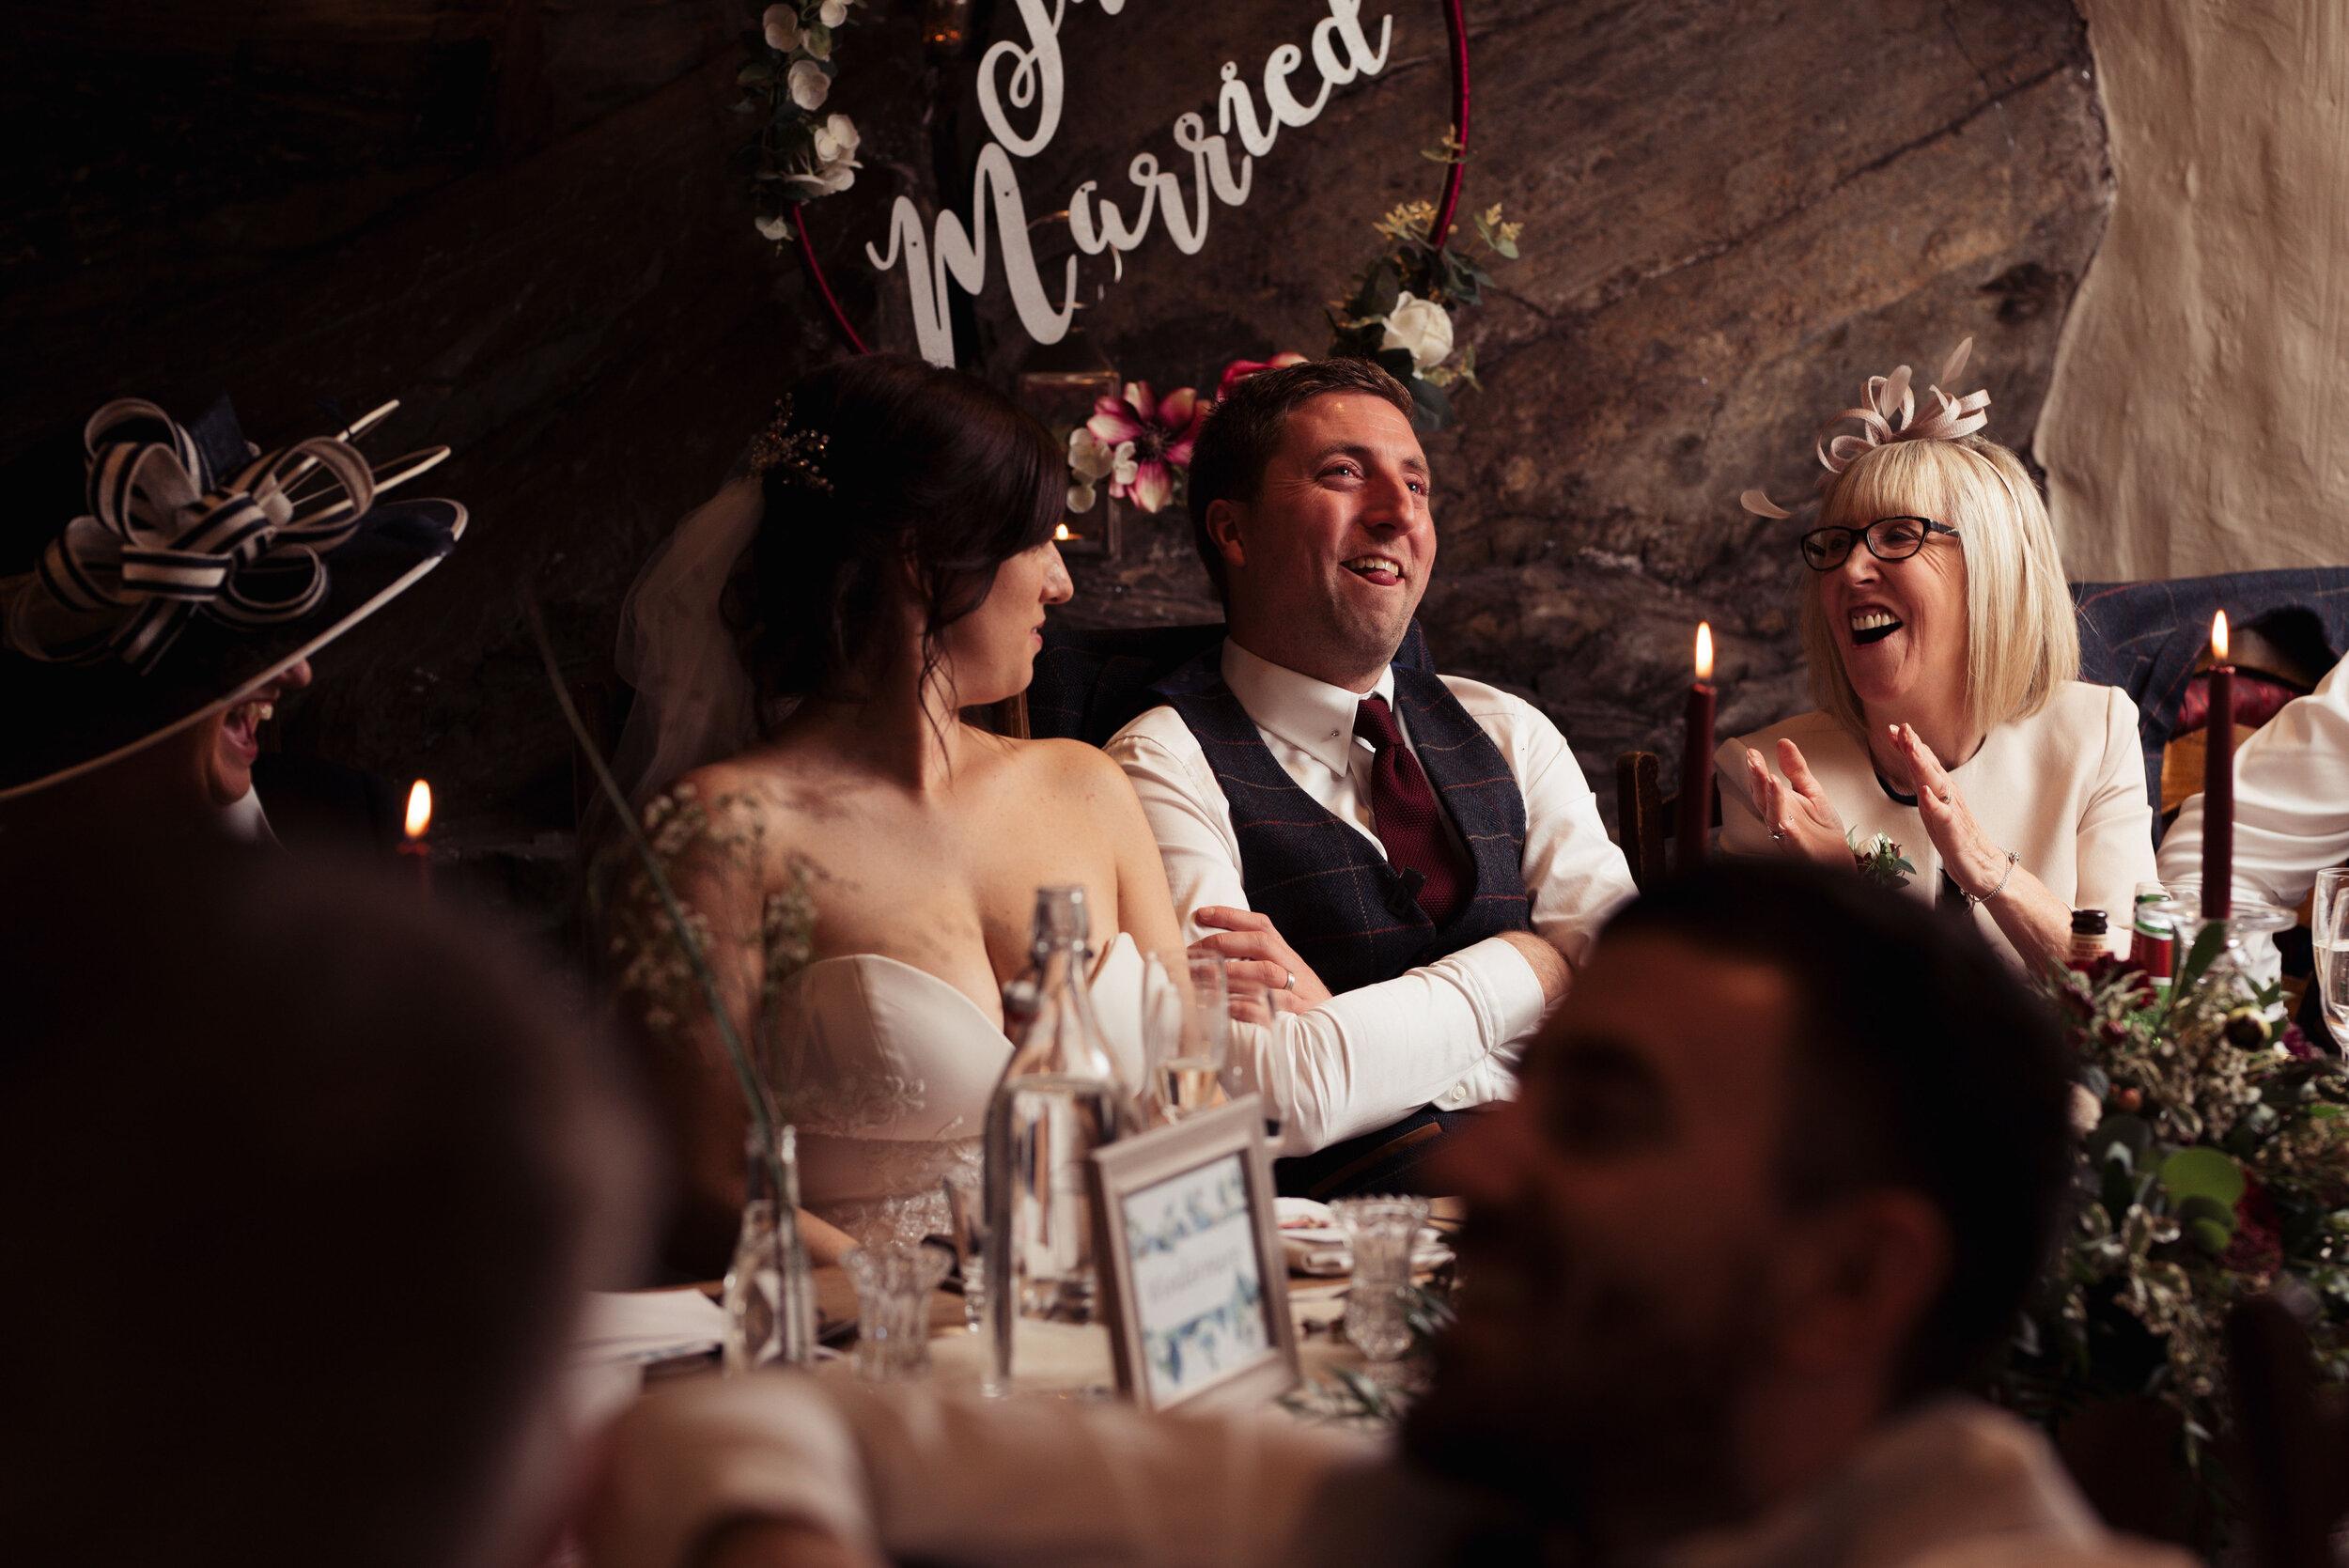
(1194, 1289)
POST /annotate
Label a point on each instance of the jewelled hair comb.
(796, 452)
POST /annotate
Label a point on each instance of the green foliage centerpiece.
(2214, 1167)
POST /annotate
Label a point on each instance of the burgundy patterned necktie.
(1410, 818)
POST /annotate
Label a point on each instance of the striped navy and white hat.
(199, 568)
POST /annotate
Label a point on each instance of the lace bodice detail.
(887, 1070)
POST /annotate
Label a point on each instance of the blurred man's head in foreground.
(302, 1180)
(1786, 1159)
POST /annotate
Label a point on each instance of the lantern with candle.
(1061, 383)
(415, 847)
(2219, 782)
(1696, 757)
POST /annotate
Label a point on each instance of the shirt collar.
(1312, 715)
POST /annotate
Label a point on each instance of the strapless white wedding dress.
(886, 1070)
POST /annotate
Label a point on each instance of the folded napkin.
(1313, 1242)
(641, 1326)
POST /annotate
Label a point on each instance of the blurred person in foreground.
(1726, 1260)
(301, 1183)
(1944, 655)
(161, 589)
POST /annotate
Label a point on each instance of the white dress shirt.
(2065, 789)
(246, 822)
(2291, 801)
(1446, 1034)
(910, 1475)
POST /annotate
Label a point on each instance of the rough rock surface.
(518, 218)
(1735, 215)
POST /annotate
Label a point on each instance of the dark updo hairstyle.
(924, 466)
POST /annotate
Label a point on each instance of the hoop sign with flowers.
(798, 153)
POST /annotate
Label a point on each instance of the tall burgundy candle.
(1696, 758)
(2219, 782)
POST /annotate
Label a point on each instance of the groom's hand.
(1257, 952)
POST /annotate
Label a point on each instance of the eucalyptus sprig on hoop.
(1399, 310)
(797, 154)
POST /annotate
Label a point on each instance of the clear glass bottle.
(769, 1294)
(1060, 1099)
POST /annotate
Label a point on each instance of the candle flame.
(2219, 635)
(1704, 650)
(419, 809)
(1063, 533)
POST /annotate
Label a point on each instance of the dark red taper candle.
(2218, 783)
(1696, 758)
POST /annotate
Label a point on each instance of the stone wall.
(518, 218)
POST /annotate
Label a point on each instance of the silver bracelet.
(1973, 903)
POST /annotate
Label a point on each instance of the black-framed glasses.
(1888, 539)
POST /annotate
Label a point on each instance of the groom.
(1417, 858)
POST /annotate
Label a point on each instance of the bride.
(866, 863)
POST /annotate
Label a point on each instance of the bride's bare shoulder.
(1068, 767)
(741, 795)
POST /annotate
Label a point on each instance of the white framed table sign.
(1192, 1277)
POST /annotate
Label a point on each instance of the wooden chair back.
(1640, 816)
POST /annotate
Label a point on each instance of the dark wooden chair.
(1647, 818)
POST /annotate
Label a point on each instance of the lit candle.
(416, 845)
(1696, 757)
(2219, 782)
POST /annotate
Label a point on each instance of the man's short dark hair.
(1922, 1060)
(1244, 430)
(316, 1176)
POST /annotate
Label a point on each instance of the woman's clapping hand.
(1795, 810)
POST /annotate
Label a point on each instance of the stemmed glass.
(1191, 1036)
(2328, 921)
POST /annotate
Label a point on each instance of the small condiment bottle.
(2154, 934)
(2088, 939)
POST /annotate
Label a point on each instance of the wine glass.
(2330, 929)
(1190, 1037)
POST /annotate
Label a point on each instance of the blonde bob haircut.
(2022, 639)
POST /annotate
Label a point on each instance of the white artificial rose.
(832, 13)
(1122, 467)
(1421, 326)
(782, 26)
(836, 140)
(828, 180)
(1081, 497)
(774, 228)
(1089, 459)
(809, 87)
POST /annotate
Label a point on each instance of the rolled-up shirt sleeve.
(1360, 1060)
(1447, 1034)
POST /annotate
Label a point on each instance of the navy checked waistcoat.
(1324, 887)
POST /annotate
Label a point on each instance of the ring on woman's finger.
(1289, 981)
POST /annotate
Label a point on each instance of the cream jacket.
(2063, 788)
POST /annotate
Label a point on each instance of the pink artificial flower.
(1159, 434)
(1240, 369)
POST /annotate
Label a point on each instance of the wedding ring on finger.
(1289, 981)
